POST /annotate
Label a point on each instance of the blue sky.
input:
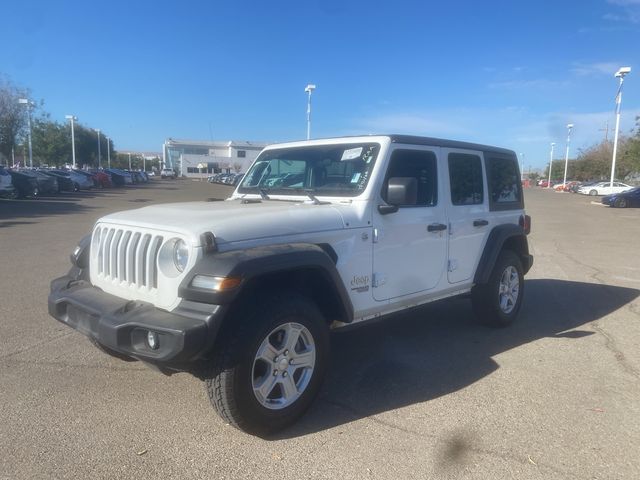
(509, 73)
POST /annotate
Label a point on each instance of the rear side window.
(465, 177)
(505, 189)
(421, 165)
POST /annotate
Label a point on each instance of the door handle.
(480, 223)
(436, 227)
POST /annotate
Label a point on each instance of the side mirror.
(400, 191)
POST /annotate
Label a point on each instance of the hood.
(233, 221)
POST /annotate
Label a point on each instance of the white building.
(188, 156)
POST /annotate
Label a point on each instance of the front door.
(410, 245)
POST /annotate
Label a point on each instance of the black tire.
(486, 298)
(593, 193)
(621, 203)
(232, 372)
(76, 187)
(35, 192)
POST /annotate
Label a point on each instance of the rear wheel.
(621, 203)
(498, 302)
(269, 366)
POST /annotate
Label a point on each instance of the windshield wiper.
(263, 194)
(314, 199)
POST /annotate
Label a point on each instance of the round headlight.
(180, 255)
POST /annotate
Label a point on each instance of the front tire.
(270, 364)
(498, 302)
(593, 193)
(620, 203)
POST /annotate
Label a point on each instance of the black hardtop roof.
(441, 142)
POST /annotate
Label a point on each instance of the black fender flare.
(251, 263)
(500, 235)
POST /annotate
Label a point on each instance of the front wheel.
(270, 364)
(621, 203)
(498, 302)
(593, 193)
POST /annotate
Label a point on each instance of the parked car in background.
(237, 179)
(65, 184)
(46, 184)
(89, 176)
(167, 173)
(101, 179)
(26, 185)
(125, 176)
(628, 198)
(7, 190)
(604, 188)
(80, 181)
(544, 183)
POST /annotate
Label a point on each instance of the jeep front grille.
(127, 256)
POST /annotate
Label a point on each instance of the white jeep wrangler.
(319, 235)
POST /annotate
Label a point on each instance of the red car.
(101, 179)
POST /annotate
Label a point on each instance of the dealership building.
(194, 158)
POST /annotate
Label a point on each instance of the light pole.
(521, 166)
(71, 118)
(309, 88)
(99, 158)
(129, 161)
(566, 156)
(619, 74)
(28, 103)
(108, 151)
(550, 164)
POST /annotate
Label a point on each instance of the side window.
(465, 177)
(505, 190)
(421, 165)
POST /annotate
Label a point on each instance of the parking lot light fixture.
(621, 73)
(99, 159)
(29, 104)
(309, 88)
(566, 155)
(550, 164)
(108, 151)
(72, 119)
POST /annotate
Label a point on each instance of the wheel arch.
(305, 268)
(510, 237)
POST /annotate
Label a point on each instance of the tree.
(51, 142)
(13, 117)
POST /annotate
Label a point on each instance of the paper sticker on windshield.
(355, 178)
(351, 154)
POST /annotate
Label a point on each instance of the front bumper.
(184, 335)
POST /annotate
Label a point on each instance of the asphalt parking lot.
(425, 395)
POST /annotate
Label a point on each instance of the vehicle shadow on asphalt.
(439, 349)
(11, 210)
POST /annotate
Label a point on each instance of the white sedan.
(604, 188)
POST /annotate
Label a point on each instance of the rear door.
(468, 212)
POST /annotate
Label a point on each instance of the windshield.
(335, 170)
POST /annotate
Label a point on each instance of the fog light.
(152, 340)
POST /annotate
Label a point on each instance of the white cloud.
(628, 11)
(533, 84)
(598, 68)
(624, 2)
